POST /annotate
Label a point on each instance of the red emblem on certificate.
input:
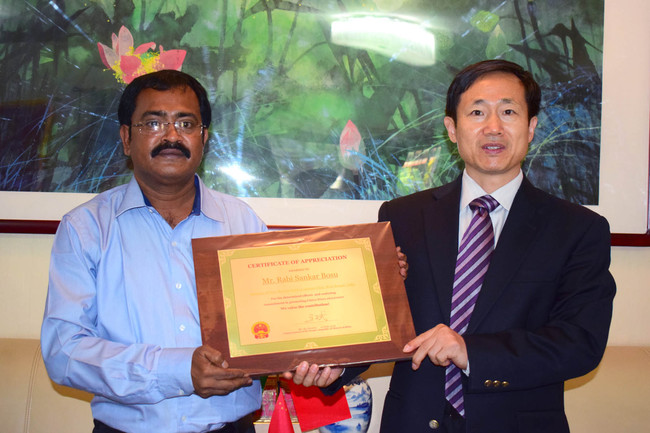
(261, 330)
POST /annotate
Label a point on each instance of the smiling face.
(492, 129)
(171, 166)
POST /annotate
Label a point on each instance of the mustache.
(177, 145)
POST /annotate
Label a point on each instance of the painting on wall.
(332, 99)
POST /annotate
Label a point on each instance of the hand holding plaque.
(330, 296)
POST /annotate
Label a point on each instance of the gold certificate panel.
(330, 295)
(302, 296)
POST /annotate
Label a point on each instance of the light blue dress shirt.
(121, 318)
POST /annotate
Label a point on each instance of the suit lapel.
(441, 232)
(514, 243)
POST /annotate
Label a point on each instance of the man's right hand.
(211, 375)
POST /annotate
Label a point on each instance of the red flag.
(280, 420)
(315, 409)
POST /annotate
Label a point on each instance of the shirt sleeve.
(74, 351)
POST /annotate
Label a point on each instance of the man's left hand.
(441, 344)
(403, 264)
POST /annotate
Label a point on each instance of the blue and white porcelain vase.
(359, 397)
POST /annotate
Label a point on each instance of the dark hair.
(162, 80)
(465, 78)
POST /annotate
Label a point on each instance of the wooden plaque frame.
(212, 311)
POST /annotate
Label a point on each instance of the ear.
(125, 135)
(205, 135)
(451, 128)
(532, 124)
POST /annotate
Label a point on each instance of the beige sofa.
(29, 401)
(613, 398)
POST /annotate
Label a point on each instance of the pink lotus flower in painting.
(351, 147)
(128, 62)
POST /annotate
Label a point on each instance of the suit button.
(505, 384)
(433, 424)
(487, 383)
(496, 383)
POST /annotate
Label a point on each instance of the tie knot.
(487, 202)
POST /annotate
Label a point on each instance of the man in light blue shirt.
(121, 319)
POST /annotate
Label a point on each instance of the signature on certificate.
(321, 316)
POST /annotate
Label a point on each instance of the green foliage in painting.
(283, 89)
(484, 21)
(497, 44)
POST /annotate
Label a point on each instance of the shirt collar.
(504, 195)
(208, 206)
(134, 198)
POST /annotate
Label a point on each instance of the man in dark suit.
(543, 310)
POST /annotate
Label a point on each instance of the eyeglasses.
(156, 127)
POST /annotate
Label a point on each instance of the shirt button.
(183, 418)
(182, 327)
(434, 424)
(181, 392)
(174, 243)
(179, 285)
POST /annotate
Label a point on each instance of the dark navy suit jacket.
(542, 316)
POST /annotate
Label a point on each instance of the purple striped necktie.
(471, 265)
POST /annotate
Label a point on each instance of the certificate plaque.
(328, 295)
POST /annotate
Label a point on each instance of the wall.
(24, 260)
